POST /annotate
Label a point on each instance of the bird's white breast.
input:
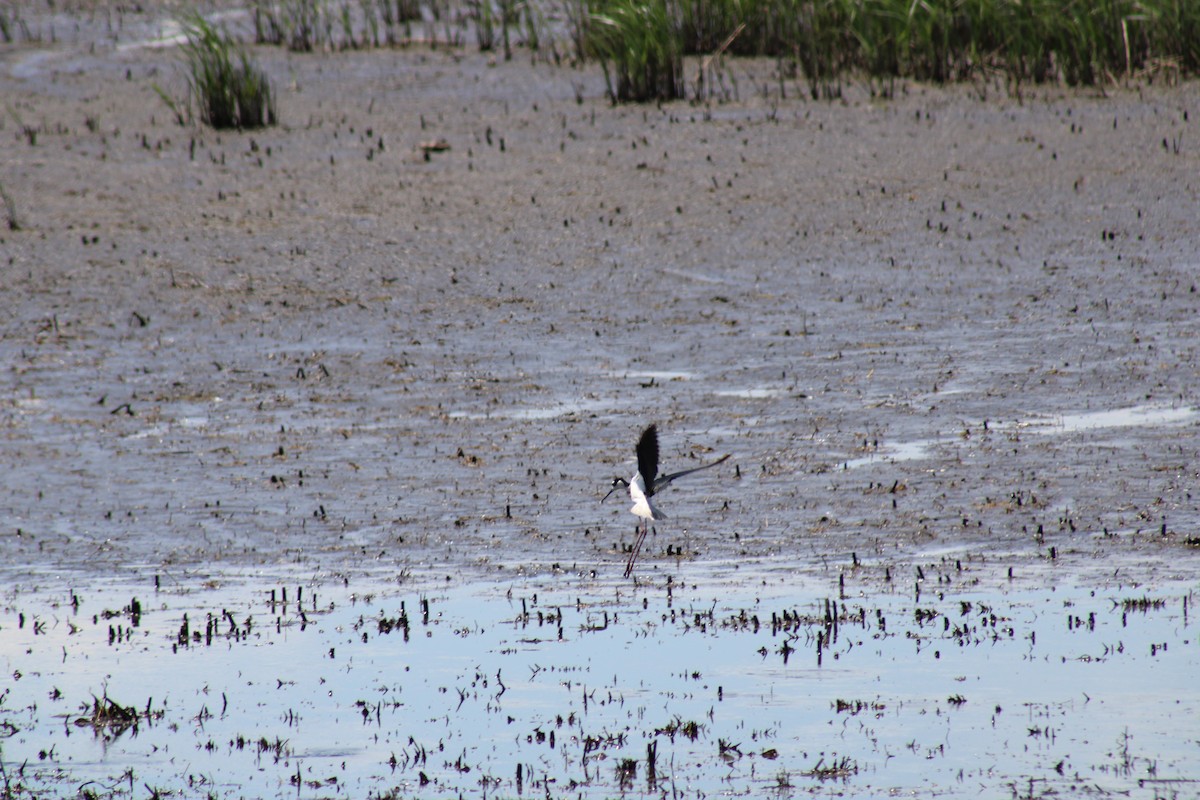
(642, 506)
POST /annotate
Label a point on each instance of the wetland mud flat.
(304, 431)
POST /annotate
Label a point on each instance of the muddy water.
(949, 341)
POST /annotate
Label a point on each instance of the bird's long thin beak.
(610, 491)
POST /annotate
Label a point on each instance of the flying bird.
(645, 484)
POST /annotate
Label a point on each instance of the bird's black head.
(616, 482)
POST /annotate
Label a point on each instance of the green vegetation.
(639, 46)
(642, 44)
(1079, 42)
(299, 25)
(506, 16)
(226, 86)
(307, 25)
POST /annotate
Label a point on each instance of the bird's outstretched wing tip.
(647, 453)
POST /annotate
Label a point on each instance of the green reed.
(229, 90)
(639, 47)
(1077, 42)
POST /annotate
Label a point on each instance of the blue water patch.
(580, 687)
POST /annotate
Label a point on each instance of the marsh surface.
(951, 342)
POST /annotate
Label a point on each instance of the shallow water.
(967, 688)
(1063, 424)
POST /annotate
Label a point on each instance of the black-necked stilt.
(646, 483)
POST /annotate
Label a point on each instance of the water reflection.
(571, 685)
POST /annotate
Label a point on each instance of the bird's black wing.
(647, 453)
(665, 480)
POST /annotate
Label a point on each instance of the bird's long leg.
(637, 547)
